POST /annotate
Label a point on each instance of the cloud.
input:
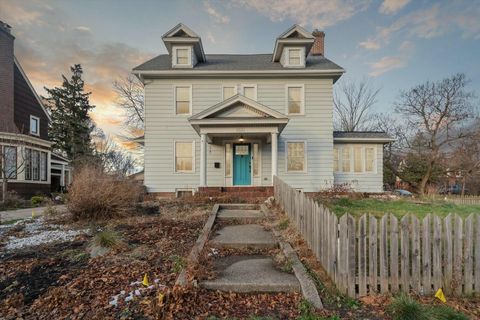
(429, 23)
(45, 58)
(210, 37)
(317, 14)
(213, 12)
(392, 6)
(389, 63)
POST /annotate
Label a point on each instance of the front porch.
(243, 135)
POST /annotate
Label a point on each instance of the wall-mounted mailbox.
(216, 165)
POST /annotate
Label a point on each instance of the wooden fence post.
(426, 255)
(405, 253)
(362, 256)
(372, 254)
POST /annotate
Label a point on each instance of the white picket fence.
(377, 256)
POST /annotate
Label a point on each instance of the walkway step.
(225, 214)
(251, 274)
(244, 236)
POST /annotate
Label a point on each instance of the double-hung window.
(184, 156)
(182, 56)
(228, 92)
(294, 57)
(370, 159)
(295, 99)
(183, 100)
(354, 158)
(296, 156)
(34, 125)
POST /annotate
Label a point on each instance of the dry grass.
(95, 195)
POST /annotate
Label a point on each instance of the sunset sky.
(396, 43)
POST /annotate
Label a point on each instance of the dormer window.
(182, 57)
(294, 57)
(34, 125)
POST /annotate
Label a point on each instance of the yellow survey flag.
(145, 280)
(440, 296)
(33, 213)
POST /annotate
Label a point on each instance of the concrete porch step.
(243, 237)
(251, 274)
(235, 214)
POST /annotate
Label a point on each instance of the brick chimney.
(318, 48)
(7, 123)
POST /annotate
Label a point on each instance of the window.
(250, 91)
(256, 160)
(357, 159)
(295, 156)
(295, 99)
(184, 156)
(346, 159)
(10, 165)
(34, 125)
(43, 166)
(369, 159)
(336, 159)
(294, 57)
(228, 92)
(183, 100)
(182, 56)
(228, 160)
(36, 165)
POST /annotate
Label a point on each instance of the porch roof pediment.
(238, 110)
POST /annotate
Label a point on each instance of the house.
(222, 120)
(30, 166)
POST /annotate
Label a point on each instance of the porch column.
(62, 178)
(274, 154)
(203, 160)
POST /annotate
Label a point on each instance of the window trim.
(305, 160)
(242, 89)
(302, 93)
(32, 117)
(175, 100)
(174, 57)
(175, 156)
(302, 57)
(235, 89)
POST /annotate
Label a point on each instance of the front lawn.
(379, 207)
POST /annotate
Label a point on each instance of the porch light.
(241, 139)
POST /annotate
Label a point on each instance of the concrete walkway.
(26, 213)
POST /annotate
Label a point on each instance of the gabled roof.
(227, 113)
(295, 35)
(181, 34)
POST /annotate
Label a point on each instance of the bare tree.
(440, 113)
(130, 97)
(12, 160)
(353, 104)
(113, 160)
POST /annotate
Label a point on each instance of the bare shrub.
(95, 195)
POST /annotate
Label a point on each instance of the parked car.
(455, 189)
(403, 193)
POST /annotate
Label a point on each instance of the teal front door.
(241, 165)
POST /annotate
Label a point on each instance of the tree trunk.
(464, 181)
(425, 179)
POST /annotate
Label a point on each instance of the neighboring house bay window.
(296, 158)
(183, 100)
(36, 165)
(184, 156)
(10, 162)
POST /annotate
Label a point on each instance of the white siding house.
(238, 120)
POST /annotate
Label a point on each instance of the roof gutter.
(369, 140)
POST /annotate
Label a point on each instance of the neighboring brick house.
(24, 123)
(237, 120)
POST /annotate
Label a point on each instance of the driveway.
(26, 213)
